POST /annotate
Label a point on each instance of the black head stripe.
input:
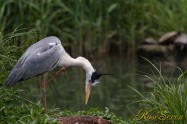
(95, 76)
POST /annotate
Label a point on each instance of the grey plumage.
(38, 59)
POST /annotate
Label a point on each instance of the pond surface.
(113, 92)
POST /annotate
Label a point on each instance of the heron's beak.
(88, 90)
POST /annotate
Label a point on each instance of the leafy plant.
(95, 25)
(169, 97)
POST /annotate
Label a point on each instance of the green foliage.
(94, 25)
(14, 108)
(166, 95)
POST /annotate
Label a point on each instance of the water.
(113, 92)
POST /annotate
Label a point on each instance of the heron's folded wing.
(33, 63)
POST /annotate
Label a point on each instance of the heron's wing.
(35, 61)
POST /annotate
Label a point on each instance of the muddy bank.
(82, 120)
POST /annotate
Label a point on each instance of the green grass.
(167, 98)
(14, 108)
(95, 25)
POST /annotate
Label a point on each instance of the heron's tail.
(12, 79)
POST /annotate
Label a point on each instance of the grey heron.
(44, 56)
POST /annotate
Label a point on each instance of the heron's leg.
(62, 69)
(44, 77)
(58, 72)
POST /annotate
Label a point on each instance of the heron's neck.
(67, 60)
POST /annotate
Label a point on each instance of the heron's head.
(91, 80)
(92, 76)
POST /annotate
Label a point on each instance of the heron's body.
(41, 57)
(44, 56)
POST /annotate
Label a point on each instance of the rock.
(182, 39)
(181, 48)
(154, 50)
(82, 120)
(168, 38)
(150, 40)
